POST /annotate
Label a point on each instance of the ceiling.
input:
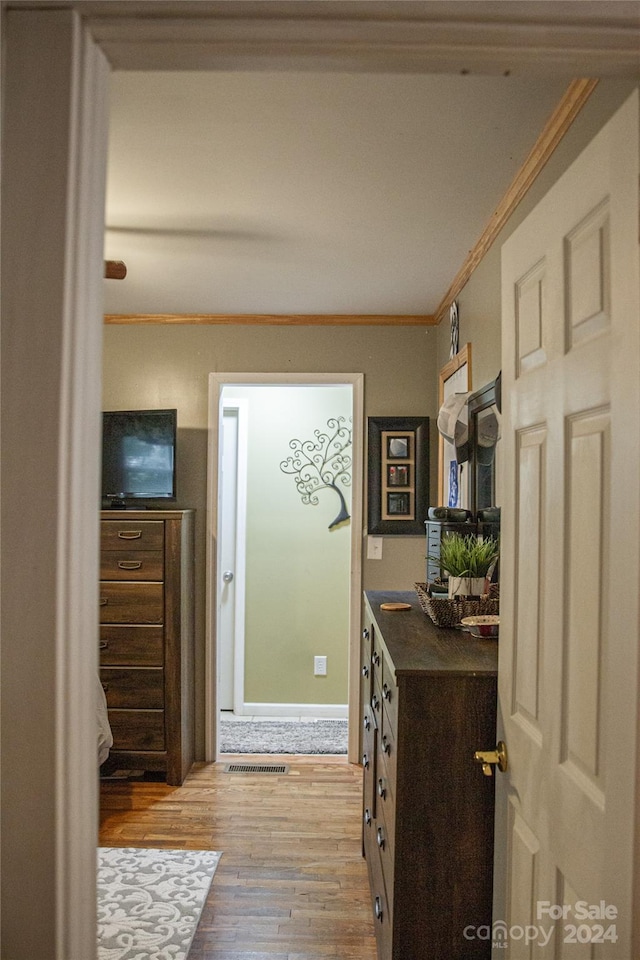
(307, 193)
(292, 190)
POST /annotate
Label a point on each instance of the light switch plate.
(374, 548)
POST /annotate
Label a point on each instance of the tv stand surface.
(117, 504)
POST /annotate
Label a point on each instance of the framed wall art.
(455, 377)
(397, 475)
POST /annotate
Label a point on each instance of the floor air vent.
(256, 768)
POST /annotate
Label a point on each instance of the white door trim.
(55, 125)
(242, 409)
(216, 382)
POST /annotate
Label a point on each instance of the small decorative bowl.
(486, 626)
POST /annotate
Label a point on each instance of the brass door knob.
(491, 758)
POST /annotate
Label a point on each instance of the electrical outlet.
(320, 666)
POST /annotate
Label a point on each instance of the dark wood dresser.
(429, 701)
(146, 638)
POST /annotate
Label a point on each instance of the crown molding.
(274, 319)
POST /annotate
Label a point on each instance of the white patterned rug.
(150, 901)
(284, 736)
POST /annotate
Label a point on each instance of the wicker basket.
(449, 613)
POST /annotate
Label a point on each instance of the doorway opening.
(283, 549)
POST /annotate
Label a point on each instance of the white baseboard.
(327, 711)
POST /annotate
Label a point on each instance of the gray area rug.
(266, 736)
(150, 901)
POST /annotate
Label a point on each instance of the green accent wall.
(297, 572)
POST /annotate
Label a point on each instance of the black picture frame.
(395, 508)
(483, 404)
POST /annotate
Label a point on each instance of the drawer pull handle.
(386, 692)
(375, 703)
(375, 656)
(380, 837)
(367, 816)
(365, 634)
(382, 790)
(129, 534)
(104, 644)
(365, 672)
(129, 564)
(386, 746)
(365, 761)
(103, 601)
(367, 723)
(377, 906)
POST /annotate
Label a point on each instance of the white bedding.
(105, 737)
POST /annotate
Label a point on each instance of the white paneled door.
(227, 546)
(568, 674)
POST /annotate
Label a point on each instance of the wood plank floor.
(291, 884)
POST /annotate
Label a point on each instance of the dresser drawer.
(381, 915)
(384, 842)
(137, 646)
(366, 672)
(376, 660)
(131, 535)
(132, 565)
(389, 692)
(123, 602)
(385, 802)
(376, 702)
(134, 687)
(369, 742)
(387, 757)
(137, 729)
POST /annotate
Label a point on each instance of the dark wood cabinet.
(146, 638)
(428, 703)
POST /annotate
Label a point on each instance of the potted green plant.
(469, 561)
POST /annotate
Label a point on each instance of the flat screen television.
(138, 455)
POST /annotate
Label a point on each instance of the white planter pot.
(466, 586)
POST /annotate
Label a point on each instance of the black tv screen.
(138, 454)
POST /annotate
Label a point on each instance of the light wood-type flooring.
(291, 883)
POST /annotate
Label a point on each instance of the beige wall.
(479, 302)
(169, 366)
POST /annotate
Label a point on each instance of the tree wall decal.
(322, 464)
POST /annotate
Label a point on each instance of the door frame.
(54, 141)
(216, 382)
(242, 409)
(68, 800)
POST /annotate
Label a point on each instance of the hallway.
(292, 883)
